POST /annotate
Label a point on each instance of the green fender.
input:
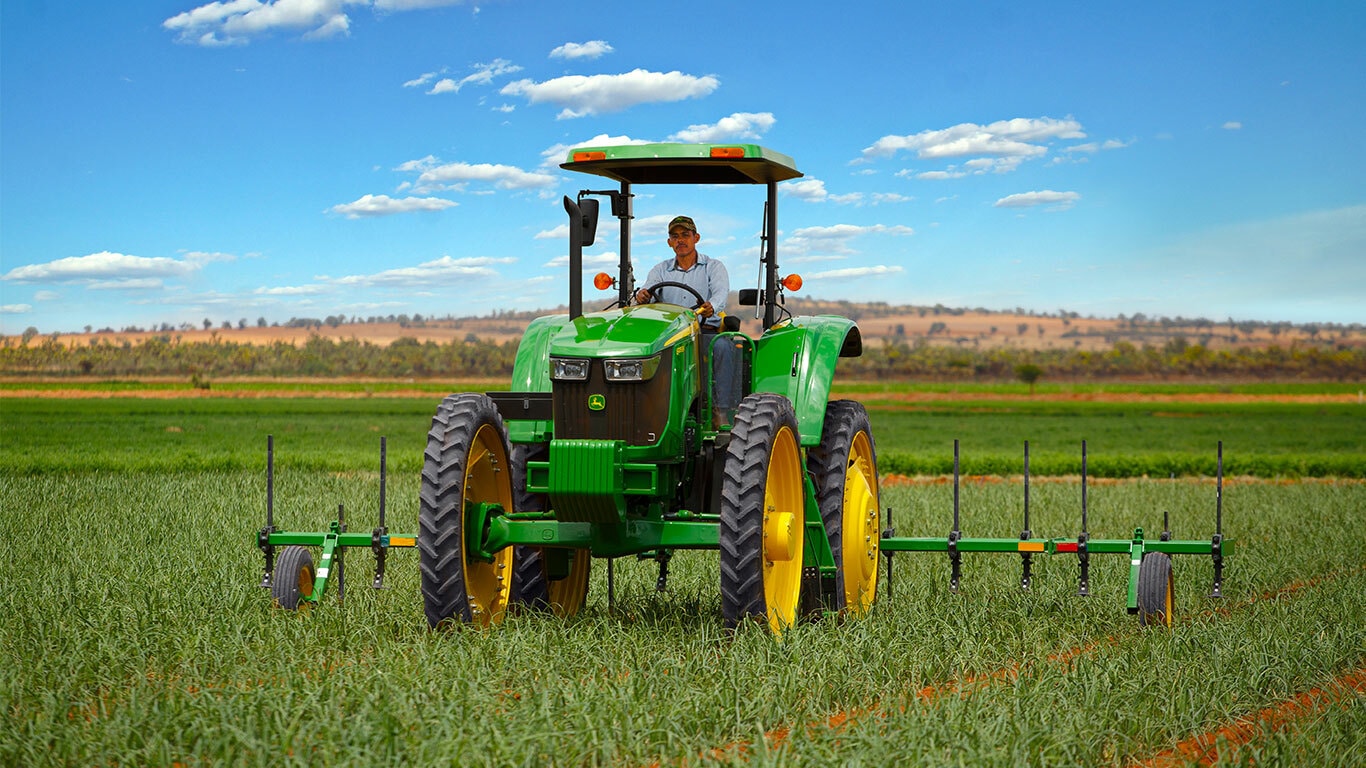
(797, 360)
(531, 373)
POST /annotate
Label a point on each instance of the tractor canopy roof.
(684, 163)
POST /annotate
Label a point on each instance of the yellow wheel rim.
(306, 577)
(567, 595)
(860, 532)
(784, 515)
(488, 480)
(1167, 600)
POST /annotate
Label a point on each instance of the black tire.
(532, 586)
(844, 468)
(293, 578)
(1156, 590)
(762, 515)
(466, 461)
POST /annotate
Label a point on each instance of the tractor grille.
(633, 411)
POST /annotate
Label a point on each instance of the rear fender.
(797, 360)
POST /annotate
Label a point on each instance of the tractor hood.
(640, 331)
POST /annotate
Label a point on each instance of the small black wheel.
(1156, 598)
(293, 577)
(763, 515)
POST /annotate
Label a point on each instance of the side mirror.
(588, 224)
(749, 297)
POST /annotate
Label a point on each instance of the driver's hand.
(706, 310)
(642, 296)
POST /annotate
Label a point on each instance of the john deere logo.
(596, 402)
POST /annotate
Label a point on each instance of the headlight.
(568, 369)
(631, 370)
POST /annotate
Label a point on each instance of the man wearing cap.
(709, 278)
(702, 273)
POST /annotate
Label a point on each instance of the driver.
(708, 277)
(702, 273)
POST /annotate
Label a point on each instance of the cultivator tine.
(263, 538)
(1217, 543)
(1083, 556)
(341, 555)
(377, 537)
(1026, 558)
(888, 533)
(955, 557)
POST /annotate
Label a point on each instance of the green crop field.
(135, 634)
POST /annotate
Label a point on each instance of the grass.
(136, 633)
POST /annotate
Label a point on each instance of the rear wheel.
(293, 577)
(465, 464)
(544, 579)
(762, 515)
(1156, 601)
(844, 467)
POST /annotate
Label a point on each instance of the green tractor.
(607, 446)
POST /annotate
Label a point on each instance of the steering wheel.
(652, 290)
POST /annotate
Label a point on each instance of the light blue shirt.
(708, 277)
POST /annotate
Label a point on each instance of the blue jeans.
(725, 365)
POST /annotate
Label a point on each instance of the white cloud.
(560, 232)
(850, 273)
(445, 270)
(1018, 138)
(423, 79)
(382, 205)
(890, 197)
(589, 260)
(107, 266)
(846, 231)
(741, 125)
(589, 50)
(811, 190)
(556, 154)
(1233, 125)
(413, 5)
(1061, 200)
(582, 95)
(15, 309)
(237, 22)
(483, 75)
(458, 175)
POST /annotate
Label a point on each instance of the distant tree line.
(164, 355)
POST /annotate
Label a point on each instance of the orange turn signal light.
(602, 281)
(793, 282)
(583, 157)
(727, 151)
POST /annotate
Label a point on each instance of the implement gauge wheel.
(293, 577)
(533, 585)
(466, 463)
(762, 515)
(1156, 598)
(844, 467)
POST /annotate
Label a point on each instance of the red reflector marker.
(1067, 546)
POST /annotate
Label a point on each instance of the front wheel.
(292, 581)
(762, 515)
(465, 464)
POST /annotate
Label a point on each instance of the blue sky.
(177, 161)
